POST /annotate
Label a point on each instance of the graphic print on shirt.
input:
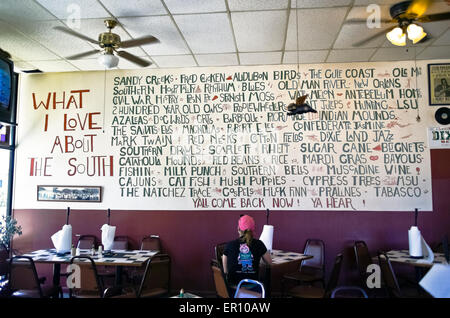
(245, 258)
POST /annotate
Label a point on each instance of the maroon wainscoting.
(189, 236)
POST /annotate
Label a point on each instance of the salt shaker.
(100, 251)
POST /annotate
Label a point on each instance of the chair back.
(335, 273)
(219, 281)
(218, 251)
(156, 276)
(349, 289)
(243, 291)
(23, 275)
(120, 243)
(86, 241)
(363, 259)
(90, 282)
(446, 248)
(316, 248)
(4, 264)
(151, 243)
(389, 278)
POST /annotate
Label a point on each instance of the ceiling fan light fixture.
(108, 60)
(397, 37)
(415, 33)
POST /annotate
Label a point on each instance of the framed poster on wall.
(69, 193)
(439, 84)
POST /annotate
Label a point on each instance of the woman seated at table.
(242, 256)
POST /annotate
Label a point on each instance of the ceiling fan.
(405, 14)
(109, 44)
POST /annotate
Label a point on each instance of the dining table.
(117, 258)
(421, 265)
(282, 262)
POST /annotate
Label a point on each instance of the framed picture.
(439, 84)
(69, 193)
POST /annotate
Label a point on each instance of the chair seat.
(307, 274)
(47, 291)
(305, 291)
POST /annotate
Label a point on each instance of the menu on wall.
(221, 138)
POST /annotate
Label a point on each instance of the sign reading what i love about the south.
(220, 138)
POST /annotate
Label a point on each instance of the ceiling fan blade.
(370, 38)
(435, 17)
(364, 21)
(140, 41)
(74, 33)
(81, 55)
(418, 7)
(133, 58)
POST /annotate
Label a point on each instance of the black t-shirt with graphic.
(242, 260)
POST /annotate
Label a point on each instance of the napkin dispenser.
(62, 240)
(267, 236)
(418, 247)
(108, 234)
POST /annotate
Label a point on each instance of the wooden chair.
(348, 292)
(155, 282)
(310, 291)
(311, 270)
(249, 288)
(107, 273)
(91, 285)
(218, 251)
(220, 283)
(151, 243)
(24, 281)
(86, 241)
(120, 243)
(363, 260)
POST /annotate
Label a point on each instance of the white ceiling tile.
(161, 27)
(54, 66)
(195, 6)
(319, 3)
(14, 11)
(132, 8)
(317, 28)
(352, 33)
(394, 54)
(175, 61)
(20, 66)
(259, 31)
(89, 65)
(72, 9)
(217, 59)
(444, 39)
(255, 5)
(435, 52)
(305, 57)
(21, 47)
(207, 33)
(365, 13)
(379, 2)
(260, 58)
(350, 55)
(59, 42)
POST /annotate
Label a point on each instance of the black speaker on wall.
(442, 115)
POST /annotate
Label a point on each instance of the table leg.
(268, 281)
(119, 271)
(56, 274)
